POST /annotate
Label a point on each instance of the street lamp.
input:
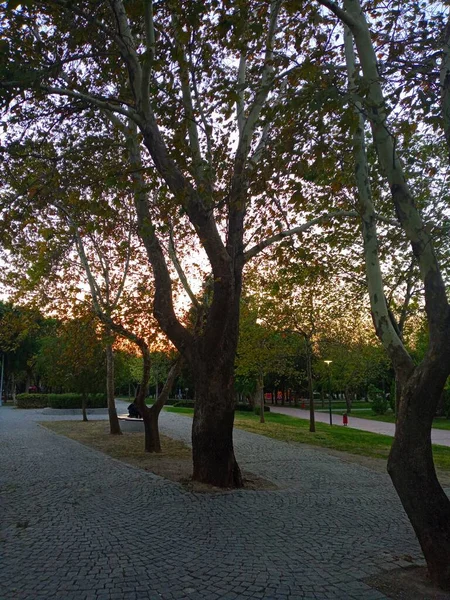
(328, 363)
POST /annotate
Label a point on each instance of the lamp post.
(328, 363)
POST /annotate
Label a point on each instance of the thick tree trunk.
(114, 425)
(413, 474)
(212, 430)
(151, 428)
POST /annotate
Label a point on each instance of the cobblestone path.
(78, 525)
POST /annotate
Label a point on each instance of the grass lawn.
(148, 401)
(291, 429)
(389, 417)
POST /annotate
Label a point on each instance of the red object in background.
(303, 405)
(345, 419)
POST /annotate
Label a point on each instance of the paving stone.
(328, 526)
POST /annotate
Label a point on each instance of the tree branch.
(252, 252)
(181, 273)
(99, 102)
(339, 12)
(383, 319)
(150, 43)
(163, 303)
(240, 106)
(188, 106)
(436, 303)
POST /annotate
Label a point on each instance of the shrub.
(75, 401)
(392, 396)
(31, 400)
(446, 403)
(59, 400)
(379, 401)
(184, 403)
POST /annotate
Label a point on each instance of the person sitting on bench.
(133, 411)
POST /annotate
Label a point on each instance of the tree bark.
(212, 430)
(412, 471)
(114, 425)
(410, 462)
(150, 414)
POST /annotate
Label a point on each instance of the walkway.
(438, 436)
(78, 525)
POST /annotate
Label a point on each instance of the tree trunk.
(212, 429)
(312, 419)
(83, 407)
(260, 389)
(348, 400)
(13, 388)
(150, 415)
(114, 425)
(151, 425)
(413, 474)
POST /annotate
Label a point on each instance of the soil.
(410, 583)
(173, 463)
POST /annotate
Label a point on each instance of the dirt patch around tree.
(410, 583)
(173, 463)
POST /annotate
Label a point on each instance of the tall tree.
(411, 461)
(155, 68)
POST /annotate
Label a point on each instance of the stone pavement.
(438, 436)
(78, 525)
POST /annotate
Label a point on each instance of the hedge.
(59, 401)
(241, 406)
(31, 400)
(247, 408)
(74, 401)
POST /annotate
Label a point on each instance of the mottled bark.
(411, 460)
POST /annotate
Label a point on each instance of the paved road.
(78, 525)
(438, 436)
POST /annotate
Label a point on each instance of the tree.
(262, 350)
(170, 88)
(73, 359)
(410, 462)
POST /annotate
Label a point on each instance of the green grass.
(148, 401)
(353, 441)
(389, 417)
